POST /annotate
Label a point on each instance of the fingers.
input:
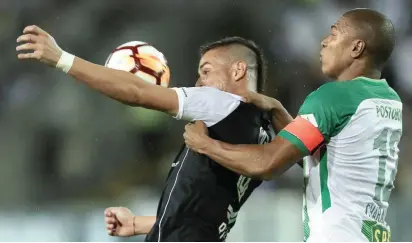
(201, 125)
(108, 212)
(29, 38)
(28, 56)
(35, 29)
(187, 134)
(111, 227)
(111, 222)
(198, 127)
(27, 46)
(30, 45)
(188, 131)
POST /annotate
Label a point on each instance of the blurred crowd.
(66, 150)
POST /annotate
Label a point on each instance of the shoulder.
(329, 92)
(327, 95)
(395, 94)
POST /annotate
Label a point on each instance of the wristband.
(65, 62)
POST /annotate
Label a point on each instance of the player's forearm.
(248, 160)
(119, 85)
(280, 116)
(143, 224)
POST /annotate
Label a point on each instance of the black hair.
(249, 44)
(377, 31)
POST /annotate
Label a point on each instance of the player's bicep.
(159, 98)
(284, 154)
(304, 135)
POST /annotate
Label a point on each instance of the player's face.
(214, 70)
(335, 53)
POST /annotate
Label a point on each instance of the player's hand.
(119, 221)
(39, 45)
(264, 102)
(195, 135)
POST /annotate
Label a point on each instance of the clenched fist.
(119, 221)
(39, 45)
(195, 135)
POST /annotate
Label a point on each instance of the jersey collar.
(370, 79)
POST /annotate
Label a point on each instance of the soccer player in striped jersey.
(347, 130)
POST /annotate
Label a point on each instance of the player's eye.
(205, 72)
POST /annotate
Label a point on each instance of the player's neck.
(238, 90)
(355, 71)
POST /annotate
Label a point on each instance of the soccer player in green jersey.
(347, 131)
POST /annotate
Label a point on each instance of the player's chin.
(326, 71)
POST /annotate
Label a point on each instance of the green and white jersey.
(351, 131)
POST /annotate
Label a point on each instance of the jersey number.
(387, 143)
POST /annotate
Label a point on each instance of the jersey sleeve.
(205, 104)
(314, 124)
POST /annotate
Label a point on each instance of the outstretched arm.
(119, 85)
(125, 87)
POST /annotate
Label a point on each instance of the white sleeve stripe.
(180, 95)
(184, 91)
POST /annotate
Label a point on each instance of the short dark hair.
(377, 30)
(249, 44)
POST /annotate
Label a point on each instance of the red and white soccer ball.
(141, 59)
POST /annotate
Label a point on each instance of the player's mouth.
(321, 56)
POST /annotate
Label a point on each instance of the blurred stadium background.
(67, 153)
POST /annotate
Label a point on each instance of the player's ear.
(358, 47)
(239, 70)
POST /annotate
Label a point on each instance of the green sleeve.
(320, 109)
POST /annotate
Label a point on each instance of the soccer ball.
(141, 59)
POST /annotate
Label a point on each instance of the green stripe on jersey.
(306, 228)
(294, 140)
(324, 189)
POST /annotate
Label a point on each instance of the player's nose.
(199, 83)
(323, 43)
